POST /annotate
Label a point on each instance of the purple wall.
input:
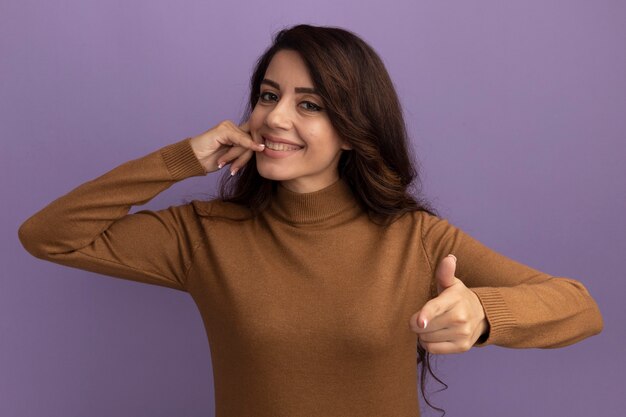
(517, 113)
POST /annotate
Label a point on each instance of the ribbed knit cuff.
(181, 160)
(500, 319)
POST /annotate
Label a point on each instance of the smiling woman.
(327, 90)
(302, 148)
(323, 282)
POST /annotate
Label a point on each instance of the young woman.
(320, 278)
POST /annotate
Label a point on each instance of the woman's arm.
(524, 307)
(90, 228)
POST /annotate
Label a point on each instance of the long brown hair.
(364, 109)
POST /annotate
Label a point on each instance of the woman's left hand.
(453, 321)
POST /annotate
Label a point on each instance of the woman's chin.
(271, 174)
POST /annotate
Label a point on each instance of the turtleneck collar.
(333, 203)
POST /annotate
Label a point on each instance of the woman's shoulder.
(218, 208)
(422, 218)
(427, 224)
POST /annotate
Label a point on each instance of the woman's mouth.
(276, 146)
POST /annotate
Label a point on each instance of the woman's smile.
(278, 148)
(280, 144)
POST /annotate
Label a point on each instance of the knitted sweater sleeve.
(90, 228)
(525, 308)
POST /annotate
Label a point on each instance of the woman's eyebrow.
(298, 89)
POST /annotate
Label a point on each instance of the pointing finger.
(431, 310)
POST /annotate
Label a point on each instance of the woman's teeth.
(280, 146)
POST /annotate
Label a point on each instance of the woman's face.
(302, 148)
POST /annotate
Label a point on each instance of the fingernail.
(262, 146)
(233, 172)
(453, 257)
(425, 323)
(220, 165)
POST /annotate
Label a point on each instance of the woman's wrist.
(484, 331)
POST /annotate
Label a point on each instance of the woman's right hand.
(224, 144)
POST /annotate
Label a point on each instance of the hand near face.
(453, 321)
(223, 144)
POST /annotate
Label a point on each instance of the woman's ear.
(346, 146)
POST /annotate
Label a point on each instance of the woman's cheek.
(255, 135)
(256, 122)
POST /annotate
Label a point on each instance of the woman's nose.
(279, 117)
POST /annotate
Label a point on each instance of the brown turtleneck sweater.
(307, 306)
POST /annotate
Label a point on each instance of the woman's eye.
(267, 96)
(311, 106)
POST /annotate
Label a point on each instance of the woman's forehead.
(288, 70)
